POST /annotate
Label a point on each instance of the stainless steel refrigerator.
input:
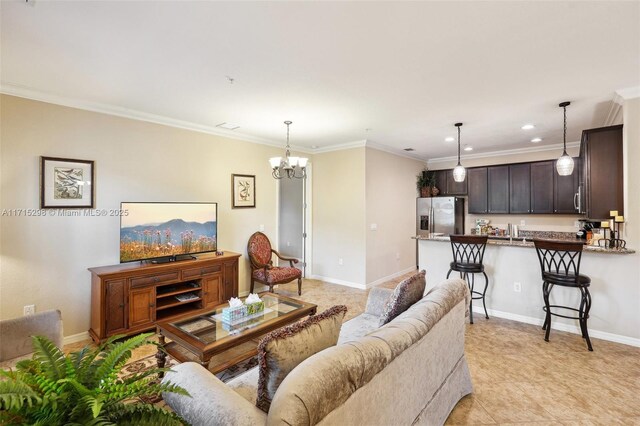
(440, 215)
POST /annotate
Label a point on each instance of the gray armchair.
(15, 334)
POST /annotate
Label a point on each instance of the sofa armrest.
(378, 296)
(15, 334)
(211, 402)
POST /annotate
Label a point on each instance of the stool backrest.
(559, 257)
(468, 248)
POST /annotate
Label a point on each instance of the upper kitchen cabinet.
(542, 190)
(601, 180)
(520, 188)
(498, 189)
(477, 178)
(455, 188)
(441, 181)
(565, 190)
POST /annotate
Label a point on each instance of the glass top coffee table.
(204, 336)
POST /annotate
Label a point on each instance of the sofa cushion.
(246, 385)
(405, 294)
(357, 327)
(282, 350)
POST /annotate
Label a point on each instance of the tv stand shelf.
(129, 298)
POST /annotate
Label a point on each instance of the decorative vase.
(434, 191)
(425, 191)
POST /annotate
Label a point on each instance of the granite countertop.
(520, 242)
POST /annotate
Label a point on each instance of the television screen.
(166, 230)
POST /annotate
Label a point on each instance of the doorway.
(293, 235)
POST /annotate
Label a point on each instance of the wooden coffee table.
(201, 337)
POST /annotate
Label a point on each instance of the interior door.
(291, 220)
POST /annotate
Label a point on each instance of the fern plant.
(83, 388)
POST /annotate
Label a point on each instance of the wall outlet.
(340, 262)
(288, 243)
(374, 226)
(29, 310)
(522, 222)
(517, 287)
(261, 228)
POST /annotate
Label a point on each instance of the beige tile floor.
(519, 378)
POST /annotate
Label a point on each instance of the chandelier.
(287, 166)
(459, 172)
(564, 165)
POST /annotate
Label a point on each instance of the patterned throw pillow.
(405, 294)
(282, 350)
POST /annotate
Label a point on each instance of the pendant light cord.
(564, 152)
(458, 145)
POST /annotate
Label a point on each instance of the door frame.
(308, 216)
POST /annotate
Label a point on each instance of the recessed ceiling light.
(468, 148)
(449, 139)
(536, 140)
(228, 126)
(409, 149)
(528, 127)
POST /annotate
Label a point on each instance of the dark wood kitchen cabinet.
(601, 169)
(520, 188)
(456, 188)
(498, 189)
(565, 190)
(542, 188)
(478, 187)
(441, 181)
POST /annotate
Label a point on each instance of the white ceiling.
(406, 70)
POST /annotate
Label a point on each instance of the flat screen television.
(167, 231)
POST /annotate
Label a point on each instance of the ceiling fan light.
(564, 165)
(459, 173)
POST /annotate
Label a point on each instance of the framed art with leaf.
(66, 183)
(243, 191)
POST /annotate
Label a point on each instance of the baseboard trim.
(616, 338)
(75, 338)
(390, 277)
(339, 282)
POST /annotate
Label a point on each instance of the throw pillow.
(404, 295)
(282, 350)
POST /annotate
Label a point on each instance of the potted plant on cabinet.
(426, 183)
(83, 387)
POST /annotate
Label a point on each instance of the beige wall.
(44, 260)
(532, 222)
(391, 206)
(339, 216)
(631, 147)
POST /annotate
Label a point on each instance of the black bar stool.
(468, 251)
(560, 265)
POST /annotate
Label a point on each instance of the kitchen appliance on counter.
(440, 215)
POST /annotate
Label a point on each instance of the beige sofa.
(409, 371)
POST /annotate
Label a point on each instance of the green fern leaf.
(120, 351)
(50, 357)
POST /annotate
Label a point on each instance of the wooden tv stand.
(130, 297)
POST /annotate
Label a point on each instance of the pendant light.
(564, 165)
(459, 172)
(287, 166)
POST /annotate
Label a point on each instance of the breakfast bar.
(515, 290)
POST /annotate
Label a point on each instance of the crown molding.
(339, 147)
(502, 153)
(614, 116)
(394, 151)
(629, 92)
(38, 95)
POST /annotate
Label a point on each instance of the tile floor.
(518, 377)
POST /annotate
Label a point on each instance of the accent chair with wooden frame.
(262, 269)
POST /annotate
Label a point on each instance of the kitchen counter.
(517, 242)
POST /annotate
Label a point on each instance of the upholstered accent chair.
(262, 269)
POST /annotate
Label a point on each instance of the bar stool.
(468, 251)
(560, 265)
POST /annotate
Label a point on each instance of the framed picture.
(243, 191)
(66, 183)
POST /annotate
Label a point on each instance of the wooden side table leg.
(161, 355)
